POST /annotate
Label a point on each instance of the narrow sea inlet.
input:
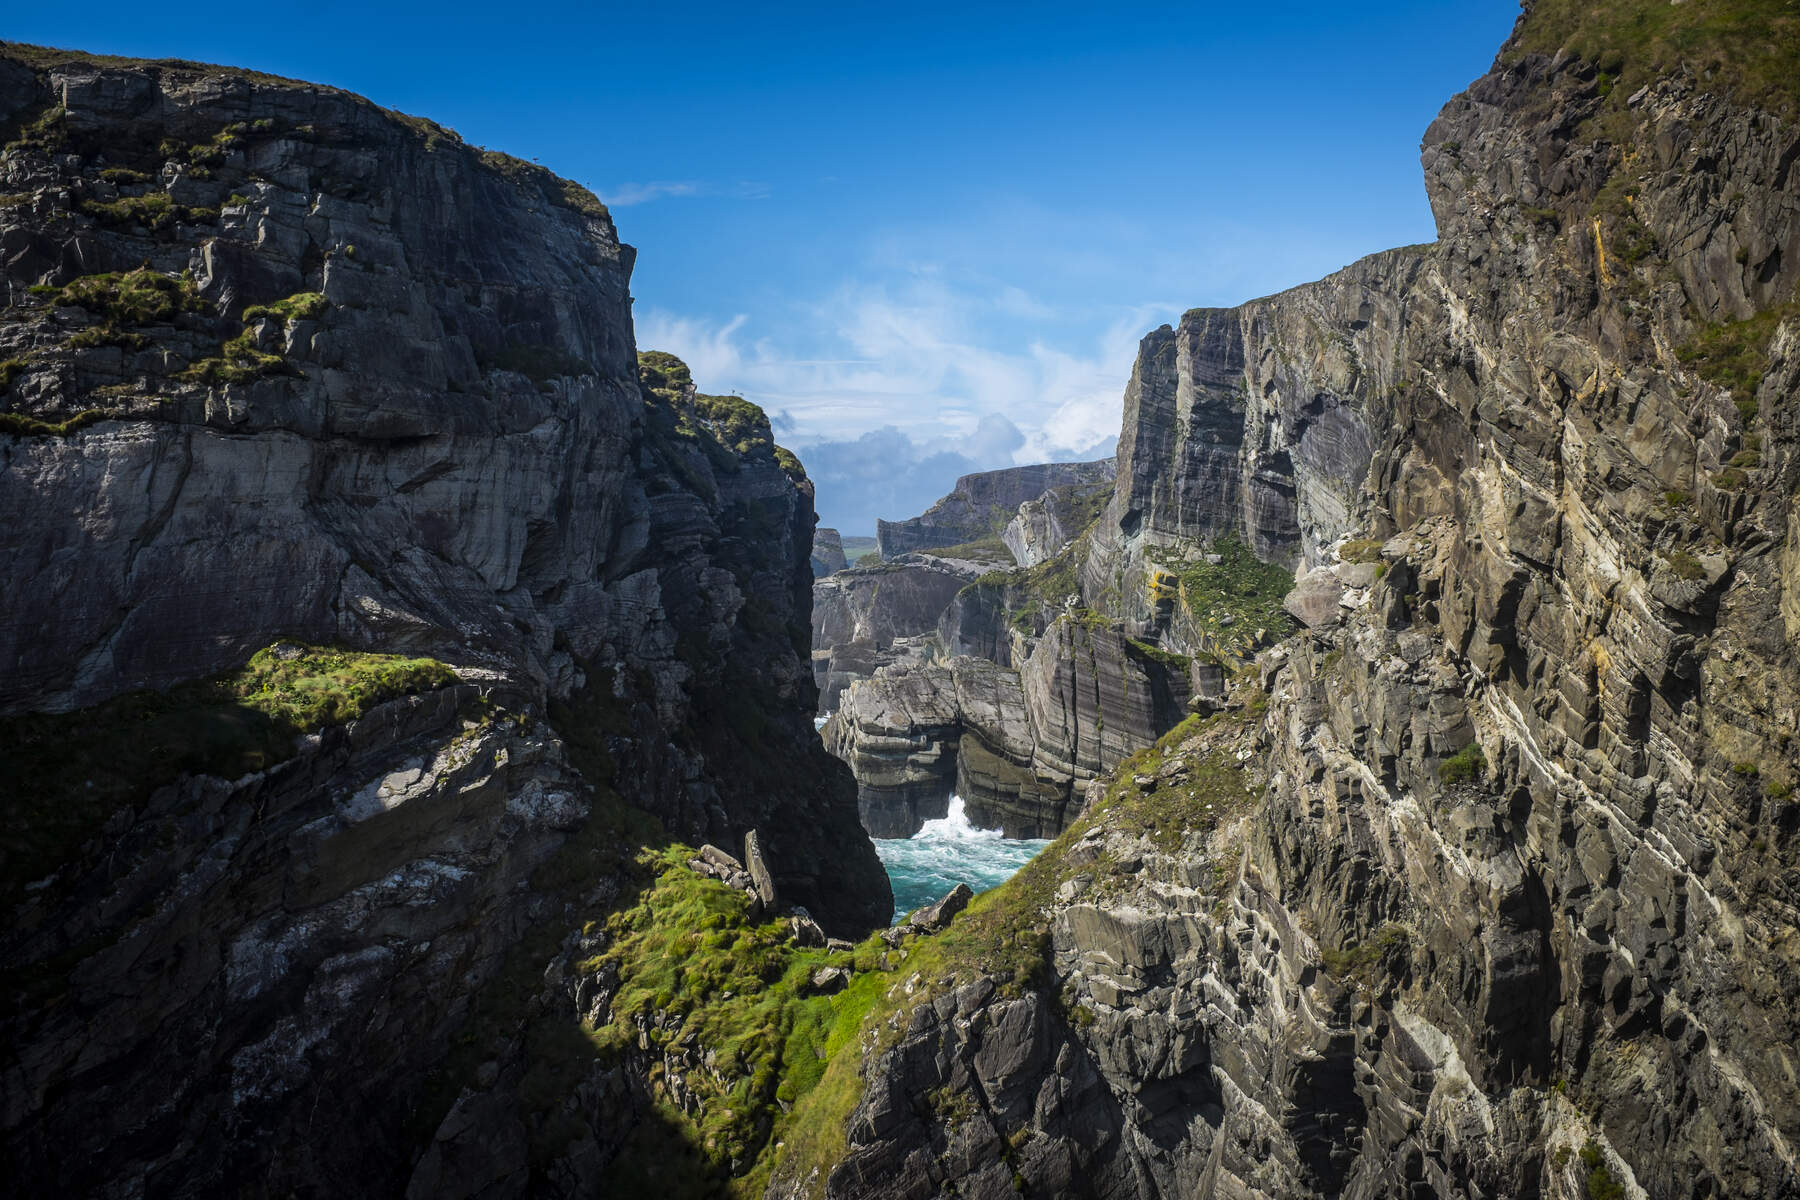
(949, 851)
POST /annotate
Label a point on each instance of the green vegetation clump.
(1236, 602)
(1214, 788)
(241, 360)
(11, 369)
(1685, 565)
(45, 132)
(25, 425)
(1600, 1182)
(1361, 550)
(982, 549)
(1730, 479)
(736, 422)
(1734, 354)
(663, 373)
(790, 464)
(1748, 49)
(1675, 498)
(1467, 765)
(140, 297)
(123, 176)
(1156, 654)
(1359, 963)
(695, 971)
(155, 211)
(301, 306)
(68, 772)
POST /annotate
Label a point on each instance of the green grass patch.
(1158, 655)
(1236, 602)
(1734, 354)
(68, 772)
(1361, 963)
(301, 306)
(1467, 765)
(155, 211)
(140, 297)
(1748, 49)
(986, 549)
(1599, 1181)
(25, 425)
(1685, 565)
(687, 953)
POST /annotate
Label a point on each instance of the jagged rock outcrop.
(1050, 522)
(1017, 746)
(981, 505)
(873, 616)
(280, 364)
(1508, 903)
(828, 552)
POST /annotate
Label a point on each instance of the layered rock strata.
(278, 363)
(981, 505)
(1507, 905)
(828, 552)
(1017, 746)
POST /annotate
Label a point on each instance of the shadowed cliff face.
(278, 364)
(1509, 904)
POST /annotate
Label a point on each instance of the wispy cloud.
(901, 387)
(628, 194)
(915, 353)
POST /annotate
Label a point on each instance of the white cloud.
(919, 355)
(627, 194)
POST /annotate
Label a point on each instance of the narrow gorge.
(405, 723)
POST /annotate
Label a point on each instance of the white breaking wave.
(948, 851)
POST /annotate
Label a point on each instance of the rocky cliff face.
(828, 552)
(880, 614)
(1488, 886)
(981, 505)
(1018, 746)
(279, 364)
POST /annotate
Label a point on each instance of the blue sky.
(926, 238)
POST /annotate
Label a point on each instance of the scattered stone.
(839, 945)
(934, 917)
(827, 980)
(1314, 600)
(720, 859)
(805, 931)
(759, 869)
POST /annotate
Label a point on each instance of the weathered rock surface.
(981, 505)
(1045, 525)
(389, 398)
(867, 618)
(828, 552)
(1513, 906)
(1015, 745)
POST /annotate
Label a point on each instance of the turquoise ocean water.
(947, 852)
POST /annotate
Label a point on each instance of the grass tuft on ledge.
(68, 772)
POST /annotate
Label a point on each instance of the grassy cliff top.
(555, 188)
(1747, 49)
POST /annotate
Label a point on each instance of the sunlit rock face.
(1510, 906)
